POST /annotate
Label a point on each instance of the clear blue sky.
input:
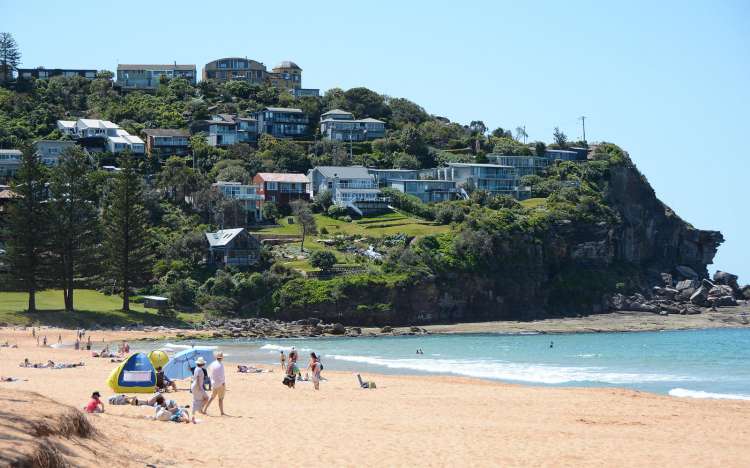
(668, 81)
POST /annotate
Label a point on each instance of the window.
(271, 186)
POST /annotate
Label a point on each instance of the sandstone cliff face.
(574, 268)
(651, 235)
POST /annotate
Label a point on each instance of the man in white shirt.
(218, 382)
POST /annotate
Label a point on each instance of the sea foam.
(685, 393)
(534, 373)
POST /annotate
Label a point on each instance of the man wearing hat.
(218, 382)
(199, 393)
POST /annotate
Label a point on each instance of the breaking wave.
(535, 373)
(685, 393)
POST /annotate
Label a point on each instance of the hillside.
(588, 229)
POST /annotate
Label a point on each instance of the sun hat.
(219, 354)
(200, 361)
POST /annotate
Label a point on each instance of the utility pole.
(583, 124)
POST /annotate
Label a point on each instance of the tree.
(405, 161)
(177, 180)
(74, 216)
(28, 228)
(127, 256)
(540, 148)
(10, 55)
(323, 259)
(521, 134)
(305, 219)
(561, 139)
(478, 127)
(270, 211)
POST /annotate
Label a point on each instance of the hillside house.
(281, 188)
(234, 247)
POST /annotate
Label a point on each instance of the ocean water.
(695, 363)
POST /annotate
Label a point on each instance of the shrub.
(323, 259)
(336, 211)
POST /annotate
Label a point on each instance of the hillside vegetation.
(590, 229)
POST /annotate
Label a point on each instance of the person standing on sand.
(44, 342)
(218, 381)
(199, 393)
(88, 344)
(315, 369)
(283, 361)
(59, 338)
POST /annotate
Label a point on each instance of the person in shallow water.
(551, 344)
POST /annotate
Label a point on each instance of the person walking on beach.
(199, 393)
(283, 361)
(218, 381)
(88, 343)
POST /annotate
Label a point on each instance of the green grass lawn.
(92, 307)
(532, 203)
(375, 226)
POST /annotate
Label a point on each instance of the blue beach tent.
(180, 364)
(135, 374)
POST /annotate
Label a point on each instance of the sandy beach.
(406, 421)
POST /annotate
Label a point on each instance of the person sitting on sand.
(25, 363)
(163, 382)
(95, 405)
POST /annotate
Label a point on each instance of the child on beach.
(95, 405)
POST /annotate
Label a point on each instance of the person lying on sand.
(10, 379)
(243, 369)
(169, 411)
(65, 365)
(95, 405)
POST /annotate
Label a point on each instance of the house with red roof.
(281, 188)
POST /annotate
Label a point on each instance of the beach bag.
(288, 380)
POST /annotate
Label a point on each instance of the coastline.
(407, 420)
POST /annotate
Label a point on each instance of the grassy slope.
(375, 226)
(92, 307)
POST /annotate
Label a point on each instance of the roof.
(66, 123)
(337, 112)
(166, 132)
(222, 237)
(359, 190)
(392, 170)
(282, 177)
(155, 298)
(344, 172)
(396, 181)
(7, 194)
(284, 109)
(476, 165)
(288, 64)
(171, 66)
(370, 119)
(14, 152)
(94, 123)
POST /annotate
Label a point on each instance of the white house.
(115, 139)
(351, 186)
(49, 151)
